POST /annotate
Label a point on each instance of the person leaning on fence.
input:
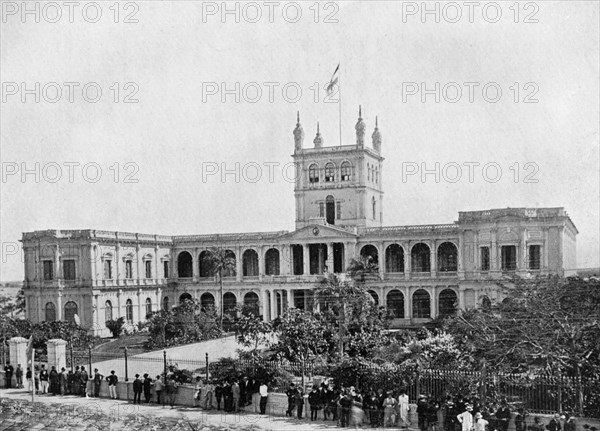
(172, 386)
(197, 391)
(158, 388)
(97, 382)
(138, 386)
(112, 380)
(291, 397)
(147, 383)
(466, 418)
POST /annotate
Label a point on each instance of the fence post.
(206, 366)
(126, 374)
(90, 359)
(165, 366)
(72, 359)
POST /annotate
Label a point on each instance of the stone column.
(117, 268)
(330, 257)
(139, 305)
(433, 258)
(273, 295)
(261, 262)
(238, 263)
(57, 355)
(57, 272)
(138, 264)
(17, 352)
(434, 303)
(287, 302)
(195, 265)
(407, 303)
(264, 306)
(306, 259)
(461, 255)
(407, 261)
(59, 306)
(494, 252)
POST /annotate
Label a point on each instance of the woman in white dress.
(403, 408)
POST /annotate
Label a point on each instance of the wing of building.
(424, 271)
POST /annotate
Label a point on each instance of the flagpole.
(340, 104)
(32, 374)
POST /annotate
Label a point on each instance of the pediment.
(316, 231)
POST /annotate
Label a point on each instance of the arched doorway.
(185, 297)
(250, 263)
(204, 265)
(70, 311)
(448, 302)
(370, 252)
(420, 256)
(272, 262)
(395, 304)
(207, 301)
(229, 302)
(394, 258)
(421, 305)
(375, 297)
(184, 265)
(50, 312)
(447, 257)
(251, 305)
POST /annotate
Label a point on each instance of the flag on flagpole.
(334, 80)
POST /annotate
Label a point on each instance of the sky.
(173, 117)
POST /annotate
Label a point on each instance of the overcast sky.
(179, 56)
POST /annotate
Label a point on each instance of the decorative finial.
(298, 134)
(360, 129)
(376, 137)
(318, 141)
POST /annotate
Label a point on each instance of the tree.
(302, 336)
(220, 262)
(253, 332)
(346, 304)
(550, 323)
(362, 268)
(12, 305)
(115, 326)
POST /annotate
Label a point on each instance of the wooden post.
(126, 374)
(206, 354)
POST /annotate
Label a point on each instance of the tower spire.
(376, 137)
(318, 141)
(298, 134)
(360, 129)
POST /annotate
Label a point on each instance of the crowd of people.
(345, 406)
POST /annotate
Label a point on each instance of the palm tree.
(221, 262)
(340, 292)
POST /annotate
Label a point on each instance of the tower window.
(509, 257)
(148, 265)
(313, 174)
(338, 212)
(330, 209)
(128, 269)
(166, 269)
(329, 173)
(108, 269)
(48, 270)
(374, 204)
(534, 257)
(69, 269)
(345, 171)
(321, 209)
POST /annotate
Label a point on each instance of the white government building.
(424, 271)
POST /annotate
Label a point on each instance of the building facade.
(424, 271)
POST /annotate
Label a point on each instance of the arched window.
(421, 304)
(204, 265)
(185, 297)
(370, 252)
(50, 312)
(330, 209)
(313, 174)
(229, 302)
(329, 172)
(250, 263)
(394, 258)
(229, 270)
(184, 265)
(251, 304)
(165, 303)
(448, 302)
(148, 307)
(272, 262)
(420, 258)
(148, 268)
(108, 312)
(374, 205)
(108, 269)
(447, 257)
(375, 297)
(70, 311)
(207, 300)
(345, 171)
(129, 310)
(395, 304)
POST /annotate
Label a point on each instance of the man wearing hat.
(423, 411)
(466, 418)
(480, 423)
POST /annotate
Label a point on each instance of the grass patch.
(133, 342)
